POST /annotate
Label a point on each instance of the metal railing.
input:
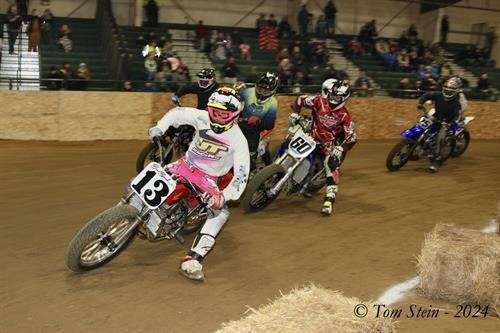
(112, 39)
(290, 90)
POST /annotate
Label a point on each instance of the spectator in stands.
(333, 73)
(465, 82)
(150, 66)
(420, 73)
(82, 76)
(236, 37)
(168, 50)
(67, 74)
(284, 28)
(47, 26)
(284, 53)
(296, 55)
(363, 86)
(34, 31)
(127, 86)
(220, 47)
(285, 72)
(405, 84)
(330, 11)
(151, 37)
(245, 51)
(271, 22)
(483, 86)
(367, 36)
(253, 75)
(390, 60)
(404, 61)
(428, 83)
(404, 41)
(201, 32)
(321, 55)
(321, 26)
(148, 87)
(230, 71)
(412, 31)
(299, 81)
(65, 39)
(14, 22)
(163, 78)
(355, 48)
(303, 67)
(151, 7)
(179, 78)
(54, 79)
(445, 28)
(303, 18)
(260, 23)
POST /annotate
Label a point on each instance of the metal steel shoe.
(327, 208)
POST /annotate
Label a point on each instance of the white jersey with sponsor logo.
(214, 154)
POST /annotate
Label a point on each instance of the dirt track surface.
(50, 190)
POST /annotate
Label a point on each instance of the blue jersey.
(267, 111)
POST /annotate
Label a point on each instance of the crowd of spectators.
(67, 77)
(163, 68)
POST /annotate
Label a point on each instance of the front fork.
(277, 187)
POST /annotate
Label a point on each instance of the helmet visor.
(205, 82)
(449, 92)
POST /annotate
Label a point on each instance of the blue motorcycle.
(297, 170)
(421, 140)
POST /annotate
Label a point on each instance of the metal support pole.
(394, 17)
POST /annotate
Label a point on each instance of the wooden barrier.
(81, 116)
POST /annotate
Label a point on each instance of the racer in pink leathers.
(218, 145)
(332, 129)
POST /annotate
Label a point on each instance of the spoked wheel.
(149, 154)
(462, 141)
(97, 243)
(257, 195)
(400, 154)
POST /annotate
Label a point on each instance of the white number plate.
(153, 185)
(425, 122)
(301, 144)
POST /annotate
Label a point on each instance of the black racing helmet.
(206, 78)
(266, 87)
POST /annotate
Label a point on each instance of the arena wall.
(82, 116)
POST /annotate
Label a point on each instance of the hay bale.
(311, 309)
(461, 266)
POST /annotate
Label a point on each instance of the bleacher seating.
(86, 49)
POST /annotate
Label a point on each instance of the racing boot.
(191, 266)
(331, 191)
(435, 164)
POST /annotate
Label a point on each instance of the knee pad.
(216, 219)
(202, 245)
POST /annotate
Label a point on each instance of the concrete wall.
(80, 116)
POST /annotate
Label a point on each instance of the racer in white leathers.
(218, 146)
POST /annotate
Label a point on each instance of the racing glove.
(253, 120)
(336, 152)
(214, 202)
(294, 118)
(155, 132)
(176, 101)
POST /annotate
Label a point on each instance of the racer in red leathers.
(332, 129)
